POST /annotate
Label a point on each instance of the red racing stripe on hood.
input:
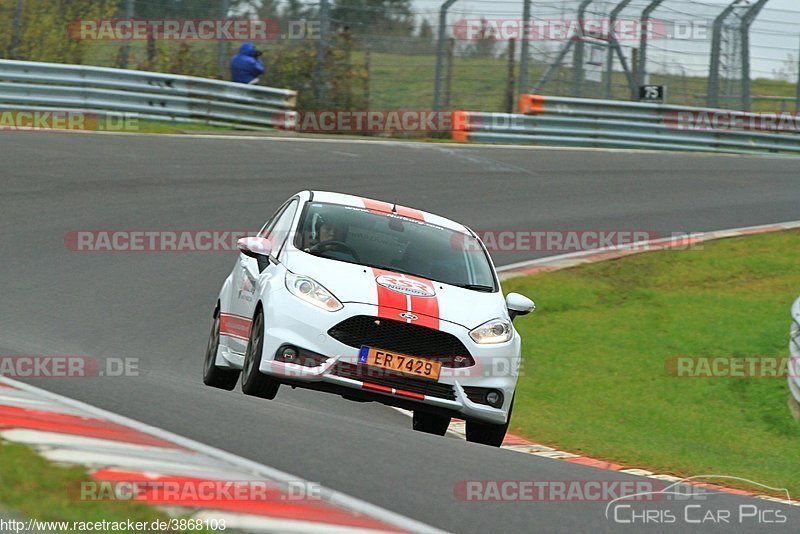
(385, 207)
(392, 303)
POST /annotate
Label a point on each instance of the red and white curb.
(553, 263)
(565, 261)
(116, 449)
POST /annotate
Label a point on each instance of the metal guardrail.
(151, 95)
(794, 350)
(559, 121)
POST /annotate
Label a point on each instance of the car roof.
(386, 207)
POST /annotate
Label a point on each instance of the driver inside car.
(321, 230)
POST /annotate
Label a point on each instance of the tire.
(488, 433)
(430, 423)
(254, 382)
(214, 376)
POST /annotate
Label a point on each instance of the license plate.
(403, 363)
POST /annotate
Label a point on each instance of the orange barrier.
(531, 104)
(460, 120)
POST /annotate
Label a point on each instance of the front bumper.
(290, 321)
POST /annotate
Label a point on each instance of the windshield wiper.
(476, 287)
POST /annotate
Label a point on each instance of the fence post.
(222, 45)
(712, 98)
(448, 76)
(367, 67)
(512, 45)
(644, 37)
(129, 9)
(437, 84)
(577, 56)
(17, 35)
(524, 52)
(320, 72)
(747, 21)
(612, 42)
(797, 84)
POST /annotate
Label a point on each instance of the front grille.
(393, 380)
(397, 336)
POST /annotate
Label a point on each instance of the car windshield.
(395, 243)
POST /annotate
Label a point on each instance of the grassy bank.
(595, 357)
(35, 488)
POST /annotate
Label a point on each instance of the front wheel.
(488, 433)
(212, 375)
(254, 382)
(431, 423)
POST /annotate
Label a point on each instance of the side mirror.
(519, 305)
(258, 248)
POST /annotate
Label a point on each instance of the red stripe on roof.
(384, 207)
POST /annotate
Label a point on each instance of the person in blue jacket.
(245, 66)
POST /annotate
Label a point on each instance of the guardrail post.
(437, 84)
(644, 37)
(712, 98)
(747, 21)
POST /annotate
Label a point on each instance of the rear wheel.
(212, 375)
(488, 433)
(254, 382)
(431, 423)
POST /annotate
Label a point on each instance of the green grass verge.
(164, 127)
(594, 379)
(35, 488)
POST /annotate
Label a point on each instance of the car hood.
(395, 293)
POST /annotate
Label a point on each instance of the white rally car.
(373, 302)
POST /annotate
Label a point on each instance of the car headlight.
(311, 291)
(494, 331)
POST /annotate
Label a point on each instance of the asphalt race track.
(157, 306)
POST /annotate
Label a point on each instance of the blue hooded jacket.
(245, 66)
